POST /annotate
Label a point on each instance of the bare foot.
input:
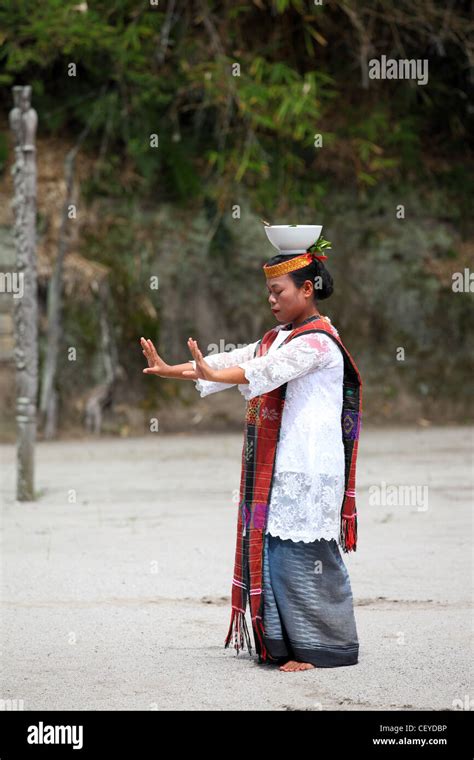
(294, 665)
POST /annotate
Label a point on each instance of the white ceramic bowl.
(290, 240)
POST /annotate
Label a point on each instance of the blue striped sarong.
(308, 607)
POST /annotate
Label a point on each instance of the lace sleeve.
(303, 354)
(221, 361)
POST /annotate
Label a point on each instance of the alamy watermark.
(463, 282)
(11, 704)
(384, 495)
(12, 282)
(399, 68)
(54, 734)
(216, 348)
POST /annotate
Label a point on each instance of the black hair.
(323, 286)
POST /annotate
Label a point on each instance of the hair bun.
(325, 288)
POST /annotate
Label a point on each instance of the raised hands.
(203, 370)
(156, 365)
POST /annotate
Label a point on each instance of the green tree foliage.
(240, 95)
(171, 69)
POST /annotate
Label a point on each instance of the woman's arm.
(157, 365)
(305, 353)
(176, 371)
(217, 361)
(203, 370)
(188, 371)
(234, 375)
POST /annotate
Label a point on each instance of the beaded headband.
(298, 262)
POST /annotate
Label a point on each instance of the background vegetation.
(248, 141)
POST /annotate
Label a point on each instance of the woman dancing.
(297, 486)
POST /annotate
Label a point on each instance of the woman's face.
(287, 301)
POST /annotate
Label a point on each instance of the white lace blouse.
(308, 485)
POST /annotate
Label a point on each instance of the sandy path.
(121, 598)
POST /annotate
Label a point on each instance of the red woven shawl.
(261, 435)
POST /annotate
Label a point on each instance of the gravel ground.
(116, 581)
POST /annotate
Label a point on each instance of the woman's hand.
(156, 365)
(203, 370)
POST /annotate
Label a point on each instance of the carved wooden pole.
(23, 122)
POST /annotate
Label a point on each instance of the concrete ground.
(116, 581)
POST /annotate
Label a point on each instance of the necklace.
(308, 319)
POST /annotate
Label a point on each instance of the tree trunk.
(101, 395)
(48, 400)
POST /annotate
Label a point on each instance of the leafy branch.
(320, 245)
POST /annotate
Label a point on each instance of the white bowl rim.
(301, 226)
